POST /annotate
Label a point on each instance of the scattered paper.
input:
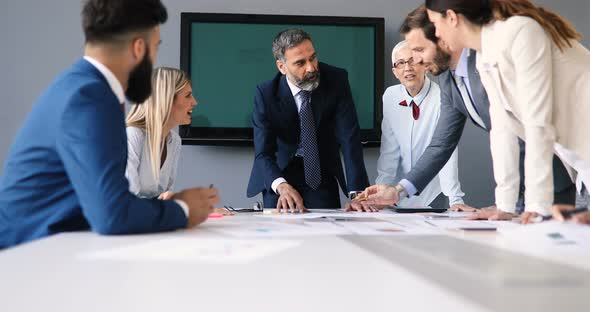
(383, 227)
(290, 216)
(317, 213)
(281, 228)
(447, 215)
(552, 233)
(455, 224)
(195, 249)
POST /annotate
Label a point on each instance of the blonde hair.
(154, 113)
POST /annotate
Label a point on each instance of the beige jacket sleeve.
(505, 156)
(530, 56)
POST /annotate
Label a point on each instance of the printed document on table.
(447, 215)
(279, 228)
(472, 224)
(334, 213)
(387, 227)
(552, 233)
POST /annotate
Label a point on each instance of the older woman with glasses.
(410, 115)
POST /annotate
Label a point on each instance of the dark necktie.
(415, 108)
(309, 142)
(123, 107)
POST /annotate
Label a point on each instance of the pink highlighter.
(215, 215)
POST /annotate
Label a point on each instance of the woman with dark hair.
(537, 76)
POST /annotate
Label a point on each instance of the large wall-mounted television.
(228, 55)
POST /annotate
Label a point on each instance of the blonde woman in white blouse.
(153, 148)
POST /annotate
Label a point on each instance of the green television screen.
(228, 55)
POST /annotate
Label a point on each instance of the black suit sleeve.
(444, 141)
(265, 146)
(348, 135)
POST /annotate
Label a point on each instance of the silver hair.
(398, 48)
(287, 39)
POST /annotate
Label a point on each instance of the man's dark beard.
(139, 85)
(441, 62)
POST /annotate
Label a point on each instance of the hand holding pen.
(200, 201)
(578, 215)
(564, 212)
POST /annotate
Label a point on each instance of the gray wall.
(39, 39)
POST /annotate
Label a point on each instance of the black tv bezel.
(244, 136)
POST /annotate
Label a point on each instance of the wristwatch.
(352, 195)
(401, 191)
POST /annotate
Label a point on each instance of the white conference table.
(321, 273)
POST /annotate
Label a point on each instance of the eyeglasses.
(401, 63)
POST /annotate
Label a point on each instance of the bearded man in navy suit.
(303, 119)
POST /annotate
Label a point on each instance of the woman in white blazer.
(537, 76)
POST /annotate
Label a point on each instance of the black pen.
(566, 214)
(569, 213)
(211, 186)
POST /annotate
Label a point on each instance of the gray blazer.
(450, 127)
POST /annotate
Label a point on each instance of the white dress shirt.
(403, 140)
(139, 173)
(113, 82)
(462, 80)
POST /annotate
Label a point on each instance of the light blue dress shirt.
(404, 140)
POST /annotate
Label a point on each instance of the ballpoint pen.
(362, 197)
(211, 186)
(566, 214)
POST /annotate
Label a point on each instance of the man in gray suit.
(462, 97)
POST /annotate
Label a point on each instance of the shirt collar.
(294, 89)
(421, 95)
(113, 82)
(461, 69)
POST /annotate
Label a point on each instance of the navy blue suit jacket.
(66, 168)
(277, 131)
